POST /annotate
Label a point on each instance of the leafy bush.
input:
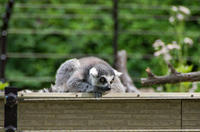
(3, 85)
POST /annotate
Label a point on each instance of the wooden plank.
(191, 113)
(78, 96)
(191, 106)
(104, 114)
(130, 130)
(113, 95)
(156, 106)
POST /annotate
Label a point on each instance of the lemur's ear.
(94, 72)
(117, 73)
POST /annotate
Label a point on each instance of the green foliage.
(184, 69)
(3, 85)
(84, 27)
(198, 89)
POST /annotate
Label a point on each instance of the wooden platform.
(133, 112)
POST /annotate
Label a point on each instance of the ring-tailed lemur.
(88, 74)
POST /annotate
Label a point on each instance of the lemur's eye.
(102, 80)
(112, 80)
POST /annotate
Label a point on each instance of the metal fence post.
(10, 109)
(3, 38)
(115, 30)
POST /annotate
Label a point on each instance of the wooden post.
(3, 38)
(10, 109)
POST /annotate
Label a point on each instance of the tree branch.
(172, 69)
(150, 74)
(121, 67)
(174, 77)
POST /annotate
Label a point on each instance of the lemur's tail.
(63, 74)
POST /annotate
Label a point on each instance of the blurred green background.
(43, 34)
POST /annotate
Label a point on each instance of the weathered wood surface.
(191, 114)
(107, 114)
(104, 114)
(110, 96)
(135, 130)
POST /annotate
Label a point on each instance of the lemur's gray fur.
(85, 75)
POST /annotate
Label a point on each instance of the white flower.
(180, 17)
(174, 42)
(157, 53)
(188, 41)
(167, 57)
(171, 19)
(174, 8)
(172, 46)
(158, 43)
(162, 51)
(184, 10)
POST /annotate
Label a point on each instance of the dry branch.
(172, 69)
(149, 73)
(174, 77)
(121, 67)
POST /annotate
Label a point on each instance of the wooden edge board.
(134, 130)
(85, 96)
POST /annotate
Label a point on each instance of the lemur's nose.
(109, 87)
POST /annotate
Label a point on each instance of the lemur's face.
(105, 81)
(102, 81)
